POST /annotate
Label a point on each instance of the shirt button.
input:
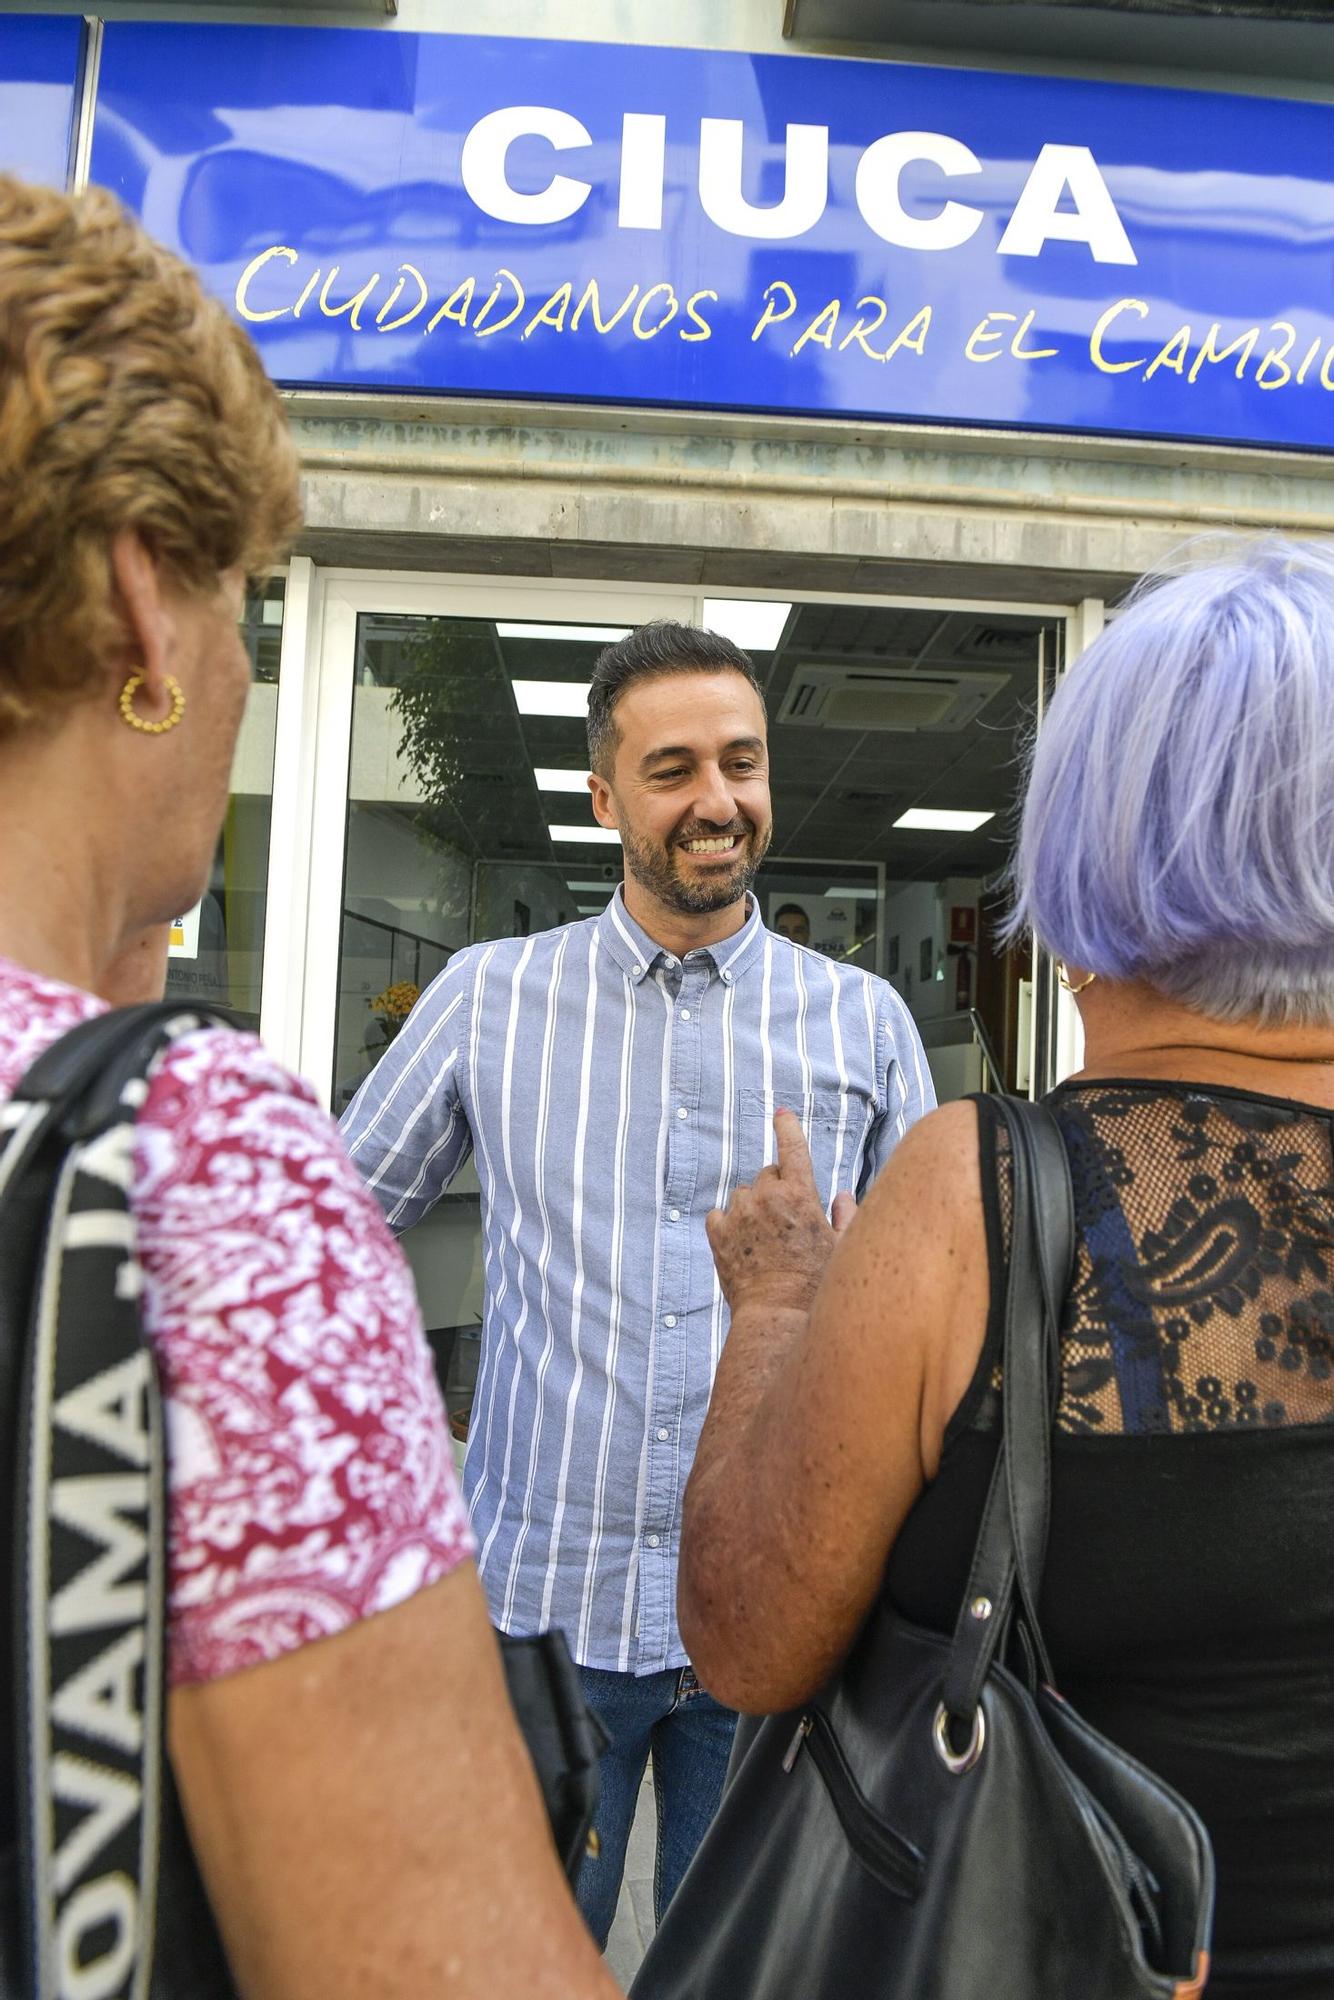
(663, 1434)
(685, 1013)
(681, 1111)
(727, 979)
(669, 1319)
(670, 963)
(674, 1214)
(653, 1541)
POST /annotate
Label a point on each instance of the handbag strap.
(1005, 1578)
(89, 1588)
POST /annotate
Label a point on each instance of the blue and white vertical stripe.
(613, 1095)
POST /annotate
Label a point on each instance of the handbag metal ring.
(964, 1760)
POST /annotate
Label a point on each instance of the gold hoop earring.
(126, 704)
(1064, 978)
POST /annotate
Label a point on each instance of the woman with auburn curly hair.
(359, 1802)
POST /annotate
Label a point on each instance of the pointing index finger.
(794, 1159)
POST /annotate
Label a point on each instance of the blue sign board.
(558, 219)
(39, 69)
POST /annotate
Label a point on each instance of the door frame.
(312, 755)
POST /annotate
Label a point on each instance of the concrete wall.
(785, 505)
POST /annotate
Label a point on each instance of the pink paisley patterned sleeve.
(311, 1477)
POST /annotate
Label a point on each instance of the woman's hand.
(843, 1363)
(772, 1243)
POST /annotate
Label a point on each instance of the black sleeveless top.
(1188, 1603)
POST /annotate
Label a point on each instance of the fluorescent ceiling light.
(560, 781)
(583, 635)
(854, 895)
(591, 909)
(926, 819)
(579, 887)
(752, 622)
(584, 833)
(551, 697)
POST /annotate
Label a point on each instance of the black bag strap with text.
(80, 1396)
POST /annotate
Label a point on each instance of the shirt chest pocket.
(833, 1124)
(820, 1109)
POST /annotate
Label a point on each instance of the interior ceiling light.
(583, 635)
(551, 698)
(928, 819)
(755, 623)
(560, 781)
(578, 888)
(583, 834)
(854, 895)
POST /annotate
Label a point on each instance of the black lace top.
(1189, 1596)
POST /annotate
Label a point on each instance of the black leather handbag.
(99, 1893)
(565, 1739)
(937, 1824)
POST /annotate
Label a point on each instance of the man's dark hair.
(791, 910)
(662, 647)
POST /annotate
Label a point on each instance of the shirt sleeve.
(907, 1093)
(406, 1129)
(311, 1477)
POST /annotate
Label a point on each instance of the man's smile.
(722, 843)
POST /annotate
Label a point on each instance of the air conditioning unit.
(891, 698)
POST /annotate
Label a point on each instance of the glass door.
(451, 804)
(451, 807)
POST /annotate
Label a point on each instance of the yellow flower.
(396, 1002)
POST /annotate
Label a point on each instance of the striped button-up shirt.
(614, 1094)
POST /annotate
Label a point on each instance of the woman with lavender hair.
(1177, 854)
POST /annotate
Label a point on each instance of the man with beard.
(617, 1079)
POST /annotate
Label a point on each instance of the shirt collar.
(637, 953)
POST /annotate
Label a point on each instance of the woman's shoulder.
(214, 1082)
(935, 1160)
(924, 1214)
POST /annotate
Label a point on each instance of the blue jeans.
(689, 1736)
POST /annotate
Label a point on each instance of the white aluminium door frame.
(1083, 625)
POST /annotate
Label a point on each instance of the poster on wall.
(825, 924)
(510, 216)
(183, 937)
